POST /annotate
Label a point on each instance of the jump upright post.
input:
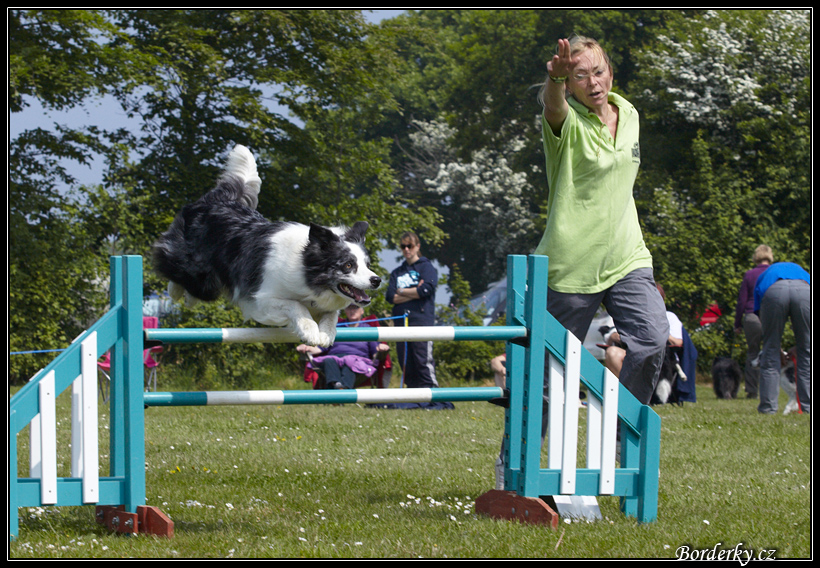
(535, 342)
(550, 349)
(120, 496)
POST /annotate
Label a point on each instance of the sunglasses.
(403, 246)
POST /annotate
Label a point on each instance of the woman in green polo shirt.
(592, 237)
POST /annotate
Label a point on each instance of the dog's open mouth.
(355, 294)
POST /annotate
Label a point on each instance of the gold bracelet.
(557, 79)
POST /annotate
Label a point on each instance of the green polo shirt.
(592, 236)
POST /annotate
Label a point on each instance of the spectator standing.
(412, 291)
(748, 322)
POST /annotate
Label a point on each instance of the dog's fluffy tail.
(663, 390)
(242, 165)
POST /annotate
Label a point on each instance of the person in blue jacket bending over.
(783, 291)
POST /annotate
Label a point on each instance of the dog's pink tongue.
(360, 296)
(356, 294)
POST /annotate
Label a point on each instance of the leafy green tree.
(721, 87)
(482, 201)
(727, 99)
(299, 87)
(59, 57)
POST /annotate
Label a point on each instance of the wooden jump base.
(536, 345)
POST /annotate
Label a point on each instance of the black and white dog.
(277, 273)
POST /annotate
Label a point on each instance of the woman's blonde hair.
(763, 253)
(578, 44)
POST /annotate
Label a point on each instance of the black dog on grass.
(726, 375)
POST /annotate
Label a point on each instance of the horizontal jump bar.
(283, 335)
(352, 396)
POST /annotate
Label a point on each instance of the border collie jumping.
(277, 273)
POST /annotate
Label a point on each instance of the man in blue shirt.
(783, 291)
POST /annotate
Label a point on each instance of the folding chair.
(151, 364)
(381, 379)
(384, 371)
(148, 360)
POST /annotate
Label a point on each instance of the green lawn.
(350, 481)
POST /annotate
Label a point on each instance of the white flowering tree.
(729, 62)
(482, 201)
(726, 103)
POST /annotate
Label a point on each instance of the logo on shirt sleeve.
(408, 280)
(636, 153)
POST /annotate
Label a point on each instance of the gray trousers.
(785, 299)
(754, 335)
(639, 314)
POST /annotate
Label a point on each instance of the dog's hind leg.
(178, 293)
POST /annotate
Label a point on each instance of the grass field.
(357, 482)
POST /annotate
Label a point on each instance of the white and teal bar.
(352, 396)
(385, 333)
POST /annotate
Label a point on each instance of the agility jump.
(534, 342)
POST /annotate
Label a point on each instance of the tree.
(477, 199)
(732, 88)
(721, 86)
(59, 57)
(199, 81)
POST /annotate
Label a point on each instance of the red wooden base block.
(155, 522)
(147, 520)
(117, 519)
(510, 505)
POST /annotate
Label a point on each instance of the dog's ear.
(356, 232)
(321, 235)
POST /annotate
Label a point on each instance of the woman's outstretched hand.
(561, 64)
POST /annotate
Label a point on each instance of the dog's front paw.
(308, 332)
(327, 339)
(319, 339)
